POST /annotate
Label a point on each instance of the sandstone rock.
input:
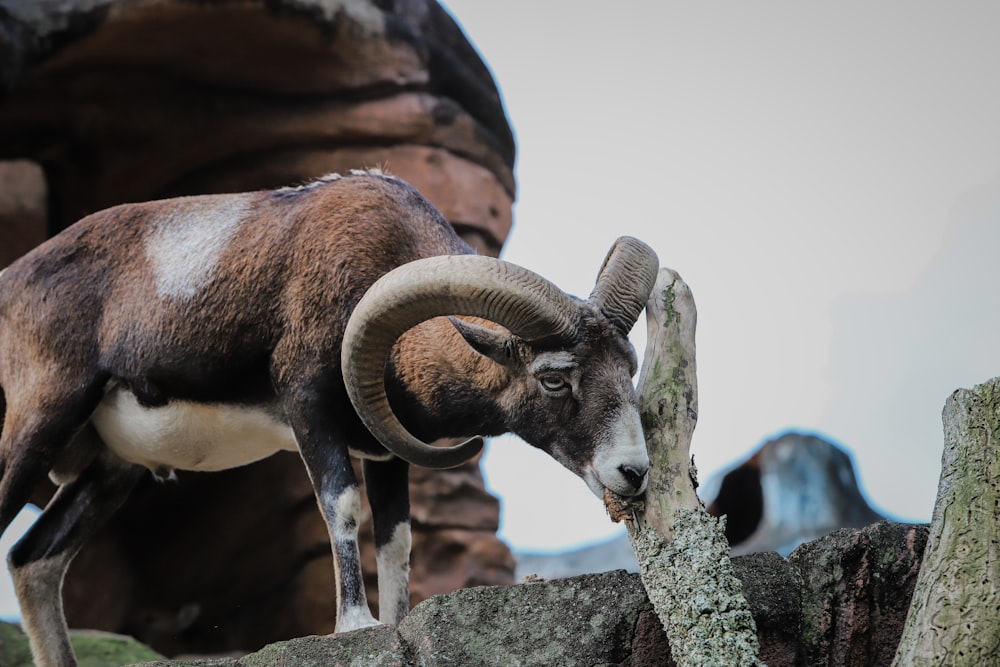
(126, 100)
(23, 208)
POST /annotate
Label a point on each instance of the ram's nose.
(635, 477)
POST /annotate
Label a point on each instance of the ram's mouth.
(622, 509)
(620, 487)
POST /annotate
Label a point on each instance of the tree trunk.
(682, 551)
(954, 619)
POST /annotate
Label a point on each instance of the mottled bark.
(953, 619)
(682, 551)
(668, 394)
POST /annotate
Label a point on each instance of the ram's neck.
(439, 387)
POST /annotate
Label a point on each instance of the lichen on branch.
(682, 551)
(692, 586)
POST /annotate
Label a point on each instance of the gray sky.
(826, 177)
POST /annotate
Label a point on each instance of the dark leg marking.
(323, 446)
(387, 485)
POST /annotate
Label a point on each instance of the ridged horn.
(513, 297)
(624, 282)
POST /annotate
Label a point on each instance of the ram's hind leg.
(39, 561)
(38, 424)
(387, 484)
(26, 453)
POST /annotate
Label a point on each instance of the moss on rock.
(93, 649)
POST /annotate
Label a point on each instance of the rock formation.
(106, 101)
(793, 489)
(23, 209)
(806, 614)
(131, 100)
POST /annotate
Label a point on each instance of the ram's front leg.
(342, 509)
(387, 484)
(340, 501)
(329, 466)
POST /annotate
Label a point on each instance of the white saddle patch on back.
(188, 436)
(188, 241)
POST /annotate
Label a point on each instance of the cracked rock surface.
(833, 602)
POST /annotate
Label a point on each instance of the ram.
(340, 318)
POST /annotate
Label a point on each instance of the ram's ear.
(491, 343)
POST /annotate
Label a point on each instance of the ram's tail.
(9, 505)
(3, 412)
(7, 512)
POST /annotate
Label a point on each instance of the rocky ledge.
(840, 600)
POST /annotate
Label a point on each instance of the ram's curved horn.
(523, 302)
(624, 282)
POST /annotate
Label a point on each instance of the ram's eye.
(553, 383)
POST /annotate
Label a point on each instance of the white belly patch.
(188, 436)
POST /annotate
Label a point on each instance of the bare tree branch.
(682, 551)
